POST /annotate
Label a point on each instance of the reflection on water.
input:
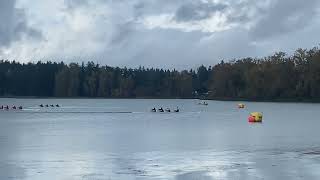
(95, 139)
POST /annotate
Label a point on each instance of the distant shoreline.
(298, 100)
(276, 78)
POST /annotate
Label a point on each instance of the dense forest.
(277, 77)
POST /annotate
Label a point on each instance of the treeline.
(277, 77)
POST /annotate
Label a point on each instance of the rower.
(176, 110)
(1, 107)
(52, 105)
(154, 110)
(41, 105)
(168, 110)
(7, 107)
(47, 105)
(20, 107)
(14, 107)
(161, 110)
(57, 105)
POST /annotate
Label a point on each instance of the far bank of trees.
(277, 77)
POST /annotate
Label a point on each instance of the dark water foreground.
(122, 140)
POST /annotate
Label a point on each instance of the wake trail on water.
(40, 111)
(74, 112)
(91, 110)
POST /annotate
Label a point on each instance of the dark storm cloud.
(13, 24)
(197, 10)
(285, 16)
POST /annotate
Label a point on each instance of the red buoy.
(251, 119)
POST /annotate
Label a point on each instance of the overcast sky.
(159, 33)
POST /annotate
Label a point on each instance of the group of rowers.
(166, 110)
(13, 107)
(47, 105)
(203, 103)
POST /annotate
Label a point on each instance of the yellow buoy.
(241, 106)
(255, 117)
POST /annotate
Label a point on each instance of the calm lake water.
(96, 139)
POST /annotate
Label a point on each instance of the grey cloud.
(118, 38)
(14, 24)
(123, 32)
(197, 10)
(180, 50)
(238, 18)
(240, 12)
(155, 7)
(132, 45)
(284, 16)
(157, 48)
(75, 3)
